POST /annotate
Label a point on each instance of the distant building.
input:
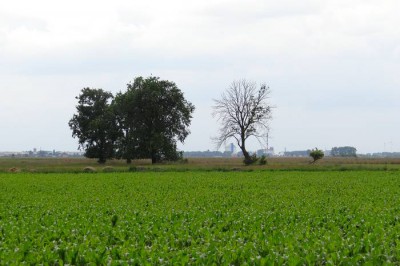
(304, 153)
(41, 154)
(206, 154)
(230, 148)
(267, 152)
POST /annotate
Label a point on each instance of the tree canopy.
(316, 154)
(94, 124)
(144, 122)
(154, 116)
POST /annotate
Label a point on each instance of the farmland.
(75, 165)
(201, 217)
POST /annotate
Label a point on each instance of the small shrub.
(132, 169)
(262, 160)
(253, 158)
(89, 169)
(316, 155)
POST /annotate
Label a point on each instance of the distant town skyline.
(230, 150)
(332, 66)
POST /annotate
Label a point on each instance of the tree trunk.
(102, 151)
(243, 147)
(128, 160)
(153, 159)
(245, 153)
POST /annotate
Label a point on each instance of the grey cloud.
(323, 61)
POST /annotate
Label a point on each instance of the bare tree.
(243, 111)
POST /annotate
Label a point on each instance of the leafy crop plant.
(206, 218)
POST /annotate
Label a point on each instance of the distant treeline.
(346, 151)
(381, 155)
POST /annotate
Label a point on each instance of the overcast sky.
(333, 66)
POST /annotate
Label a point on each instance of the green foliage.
(251, 159)
(153, 116)
(94, 124)
(132, 169)
(213, 218)
(114, 220)
(316, 154)
(144, 122)
(262, 160)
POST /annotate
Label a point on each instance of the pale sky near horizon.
(333, 66)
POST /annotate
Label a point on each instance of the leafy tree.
(94, 124)
(153, 116)
(346, 151)
(243, 112)
(316, 154)
(124, 110)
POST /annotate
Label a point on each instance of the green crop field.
(180, 218)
